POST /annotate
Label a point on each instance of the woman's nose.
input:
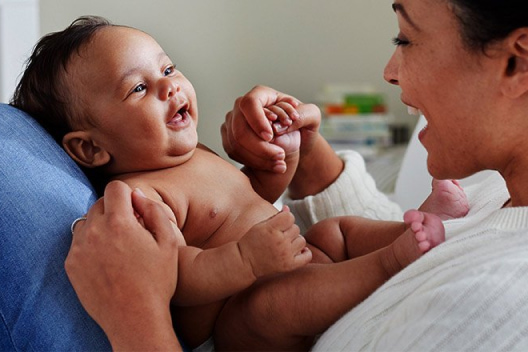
(390, 74)
(168, 87)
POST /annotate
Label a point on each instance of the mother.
(464, 65)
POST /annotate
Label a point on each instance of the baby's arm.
(210, 275)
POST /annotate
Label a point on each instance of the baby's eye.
(169, 70)
(139, 88)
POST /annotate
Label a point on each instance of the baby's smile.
(181, 118)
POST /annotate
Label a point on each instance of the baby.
(116, 102)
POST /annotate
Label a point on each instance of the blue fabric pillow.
(41, 192)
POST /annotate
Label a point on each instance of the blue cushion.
(41, 192)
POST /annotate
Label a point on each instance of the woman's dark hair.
(484, 22)
(42, 91)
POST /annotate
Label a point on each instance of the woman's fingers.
(155, 219)
(252, 104)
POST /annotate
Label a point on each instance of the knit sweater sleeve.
(353, 193)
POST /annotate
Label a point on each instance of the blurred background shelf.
(356, 117)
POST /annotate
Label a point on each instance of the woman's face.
(452, 86)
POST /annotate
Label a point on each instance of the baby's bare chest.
(214, 205)
(215, 218)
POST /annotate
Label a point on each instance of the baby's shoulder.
(173, 199)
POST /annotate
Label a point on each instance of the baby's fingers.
(282, 221)
(302, 258)
(285, 114)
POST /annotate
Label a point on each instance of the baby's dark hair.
(41, 91)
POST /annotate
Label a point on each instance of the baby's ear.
(82, 148)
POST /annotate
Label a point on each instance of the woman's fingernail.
(266, 136)
(279, 168)
(279, 156)
(140, 192)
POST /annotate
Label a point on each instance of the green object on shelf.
(365, 102)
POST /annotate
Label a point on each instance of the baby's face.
(142, 110)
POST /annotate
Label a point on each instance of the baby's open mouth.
(181, 117)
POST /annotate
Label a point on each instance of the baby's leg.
(424, 232)
(337, 239)
(286, 312)
(447, 200)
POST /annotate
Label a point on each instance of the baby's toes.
(413, 216)
(424, 246)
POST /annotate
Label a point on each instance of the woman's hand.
(247, 132)
(123, 264)
(247, 136)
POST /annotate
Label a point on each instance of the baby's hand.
(275, 245)
(282, 115)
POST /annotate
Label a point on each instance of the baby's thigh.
(327, 242)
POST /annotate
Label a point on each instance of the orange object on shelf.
(331, 109)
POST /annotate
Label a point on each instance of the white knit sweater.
(354, 192)
(468, 294)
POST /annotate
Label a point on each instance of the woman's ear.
(516, 82)
(82, 148)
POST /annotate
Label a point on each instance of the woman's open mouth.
(417, 112)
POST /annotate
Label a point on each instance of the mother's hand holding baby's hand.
(247, 133)
(125, 271)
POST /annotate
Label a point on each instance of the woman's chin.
(438, 169)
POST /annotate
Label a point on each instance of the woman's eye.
(169, 70)
(139, 88)
(400, 42)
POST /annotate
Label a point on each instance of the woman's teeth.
(413, 111)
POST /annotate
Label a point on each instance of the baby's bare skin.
(142, 131)
(213, 209)
(424, 232)
(331, 278)
(213, 204)
(447, 200)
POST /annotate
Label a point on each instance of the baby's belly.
(196, 324)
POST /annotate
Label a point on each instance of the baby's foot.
(447, 200)
(424, 232)
(427, 228)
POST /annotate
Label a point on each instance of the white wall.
(19, 29)
(227, 46)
